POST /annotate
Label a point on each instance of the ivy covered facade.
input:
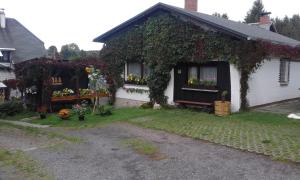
(173, 55)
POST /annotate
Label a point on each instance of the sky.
(59, 22)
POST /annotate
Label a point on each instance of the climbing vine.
(163, 40)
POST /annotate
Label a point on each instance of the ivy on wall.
(163, 40)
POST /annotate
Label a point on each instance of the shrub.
(10, 108)
(104, 110)
(147, 105)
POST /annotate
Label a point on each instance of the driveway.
(102, 156)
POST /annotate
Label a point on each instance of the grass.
(141, 146)
(39, 132)
(265, 133)
(25, 166)
(20, 116)
(93, 120)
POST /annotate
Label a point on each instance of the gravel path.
(102, 156)
(25, 124)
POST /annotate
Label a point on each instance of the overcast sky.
(58, 22)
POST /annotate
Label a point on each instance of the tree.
(289, 26)
(52, 52)
(70, 51)
(224, 15)
(255, 12)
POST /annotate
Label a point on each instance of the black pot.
(81, 118)
(43, 116)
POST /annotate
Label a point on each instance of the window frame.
(199, 73)
(284, 74)
(8, 53)
(142, 67)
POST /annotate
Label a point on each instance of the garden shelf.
(73, 98)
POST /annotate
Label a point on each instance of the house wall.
(264, 86)
(125, 98)
(5, 74)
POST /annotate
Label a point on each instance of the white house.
(17, 44)
(276, 80)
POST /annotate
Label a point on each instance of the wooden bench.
(194, 103)
(207, 107)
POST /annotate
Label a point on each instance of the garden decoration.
(64, 114)
(97, 83)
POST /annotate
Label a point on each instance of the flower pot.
(81, 118)
(222, 108)
(43, 116)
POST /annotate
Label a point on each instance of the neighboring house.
(275, 80)
(17, 44)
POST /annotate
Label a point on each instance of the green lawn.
(94, 120)
(264, 133)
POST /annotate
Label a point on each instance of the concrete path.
(25, 124)
(102, 156)
(282, 108)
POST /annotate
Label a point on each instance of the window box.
(136, 82)
(136, 73)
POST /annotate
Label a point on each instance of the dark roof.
(237, 29)
(16, 36)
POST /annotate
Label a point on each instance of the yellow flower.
(88, 70)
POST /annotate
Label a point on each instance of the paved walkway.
(282, 108)
(25, 124)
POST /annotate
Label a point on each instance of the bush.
(147, 105)
(104, 110)
(11, 108)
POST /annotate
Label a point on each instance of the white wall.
(264, 86)
(169, 92)
(5, 74)
(122, 93)
(235, 88)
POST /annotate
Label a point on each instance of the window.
(146, 71)
(137, 73)
(208, 74)
(202, 75)
(284, 72)
(193, 72)
(5, 56)
(134, 69)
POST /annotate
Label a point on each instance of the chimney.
(191, 5)
(2, 19)
(265, 18)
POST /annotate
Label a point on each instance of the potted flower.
(193, 82)
(222, 108)
(42, 110)
(80, 110)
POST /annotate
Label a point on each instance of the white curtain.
(134, 69)
(208, 74)
(193, 72)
